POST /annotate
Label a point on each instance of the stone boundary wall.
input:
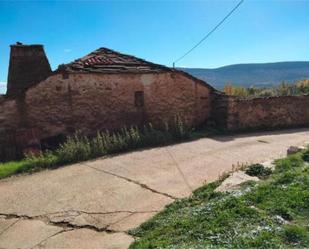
(267, 113)
(219, 109)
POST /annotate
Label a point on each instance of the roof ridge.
(131, 56)
(105, 58)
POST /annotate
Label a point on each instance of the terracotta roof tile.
(104, 60)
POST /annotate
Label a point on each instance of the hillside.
(257, 74)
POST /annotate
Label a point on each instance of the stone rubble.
(294, 149)
(234, 181)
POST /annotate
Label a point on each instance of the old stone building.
(103, 90)
(109, 90)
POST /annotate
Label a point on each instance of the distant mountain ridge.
(253, 74)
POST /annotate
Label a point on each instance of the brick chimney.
(28, 66)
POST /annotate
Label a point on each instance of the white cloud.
(67, 50)
(2, 87)
(3, 84)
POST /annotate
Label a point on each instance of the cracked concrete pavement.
(93, 204)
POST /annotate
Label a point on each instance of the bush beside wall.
(79, 147)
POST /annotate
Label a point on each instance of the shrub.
(284, 89)
(79, 147)
(292, 161)
(283, 212)
(305, 156)
(286, 177)
(178, 129)
(76, 148)
(258, 170)
(153, 136)
(294, 234)
(44, 160)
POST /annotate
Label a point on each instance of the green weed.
(78, 147)
(257, 216)
(258, 170)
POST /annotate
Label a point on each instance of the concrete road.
(92, 205)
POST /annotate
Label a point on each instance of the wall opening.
(52, 143)
(65, 75)
(139, 99)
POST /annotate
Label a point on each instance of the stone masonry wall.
(8, 114)
(28, 66)
(91, 102)
(170, 94)
(8, 123)
(268, 113)
(62, 104)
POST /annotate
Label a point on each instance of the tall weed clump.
(44, 160)
(79, 147)
(76, 148)
(178, 129)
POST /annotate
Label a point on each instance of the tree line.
(300, 87)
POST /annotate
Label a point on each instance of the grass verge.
(272, 213)
(11, 168)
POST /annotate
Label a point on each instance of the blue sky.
(159, 31)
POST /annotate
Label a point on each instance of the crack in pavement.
(41, 246)
(115, 212)
(63, 224)
(121, 219)
(7, 228)
(179, 170)
(68, 224)
(14, 216)
(53, 235)
(142, 185)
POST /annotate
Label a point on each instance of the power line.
(209, 33)
(179, 170)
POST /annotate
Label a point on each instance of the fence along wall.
(267, 113)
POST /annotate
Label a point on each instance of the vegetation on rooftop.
(272, 213)
(300, 87)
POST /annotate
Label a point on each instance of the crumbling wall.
(268, 113)
(64, 103)
(88, 102)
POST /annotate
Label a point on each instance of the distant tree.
(283, 89)
(303, 86)
(228, 89)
